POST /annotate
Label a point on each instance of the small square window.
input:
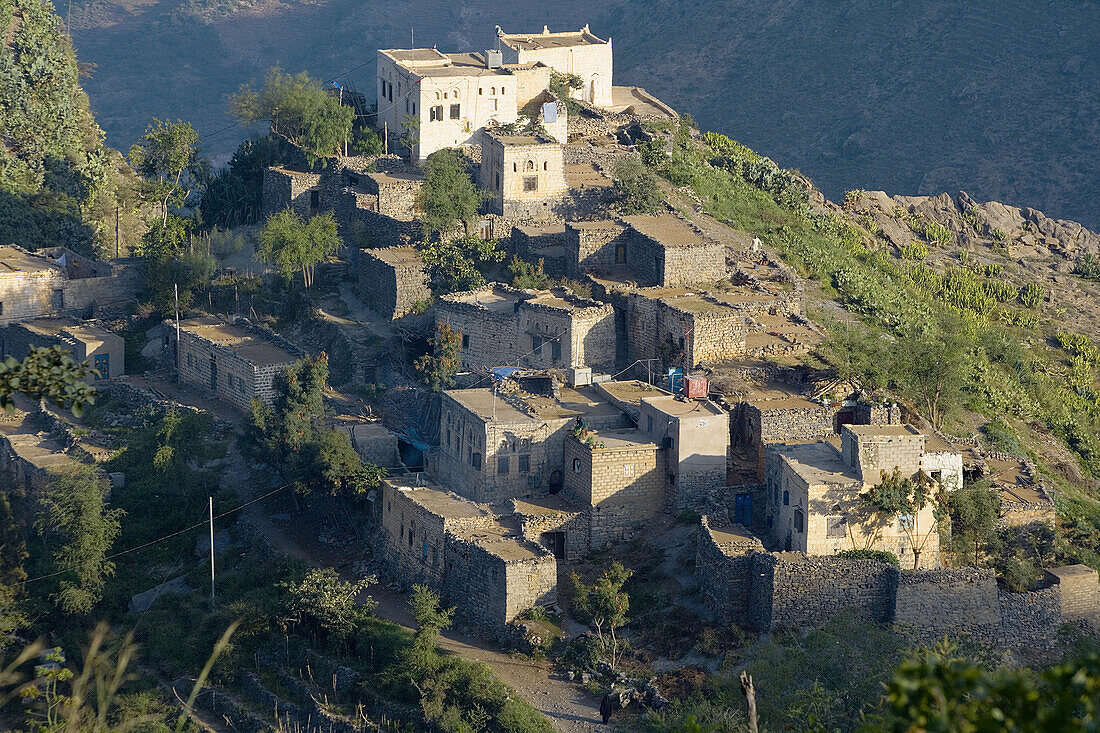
(786, 498)
(530, 183)
(465, 341)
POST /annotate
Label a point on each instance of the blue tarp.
(500, 373)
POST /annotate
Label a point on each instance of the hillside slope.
(914, 98)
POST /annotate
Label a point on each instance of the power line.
(170, 536)
(354, 68)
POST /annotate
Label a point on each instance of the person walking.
(605, 708)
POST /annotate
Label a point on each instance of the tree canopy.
(294, 245)
(166, 152)
(48, 374)
(459, 264)
(448, 196)
(438, 369)
(299, 109)
(637, 188)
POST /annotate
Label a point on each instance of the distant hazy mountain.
(999, 98)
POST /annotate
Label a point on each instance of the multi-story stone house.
(504, 326)
(87, 341)
(580, 53)
(817, 492)
(449, 97)
(523, 173)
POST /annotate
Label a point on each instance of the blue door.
(742, 509)
(103, 365)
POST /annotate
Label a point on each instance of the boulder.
(141, 602)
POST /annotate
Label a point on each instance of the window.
(493, 90)
(57, 300)
(455, 93)
(620, 254)
(524, 464)
(456, 111)
(649, 423)
(475, 460)
(836, 526)
(414, 108)
(576, 465)
(936, 476)
(445, 95)
(465, 341)
(435, 114)
(786, 498)
(905, 521)
(529, 165)
(515, 167)
(536, 345)
(1, 308)
(502, 465)
(799, 521)
(530, 183)
(410, 536)
(480, 90)
(555, 350)
(498, 188)
(492, 105)
(424, 552)
(190, 361)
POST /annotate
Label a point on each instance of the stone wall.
(723, 569)
(809, 591)
(689, 265)
(284, 188)
(537, 523)
(392, 281)
(1077, 590)
(942, 601)
(44, 290)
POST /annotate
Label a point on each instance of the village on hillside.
(652, 386)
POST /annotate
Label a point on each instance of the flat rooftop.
(395, 177)
(249, 346)
(733, 534)
(818, 463)
(436, 499)
(632, 392)
(544, 506)
(395, 255)
(669, 230)
(520, 139)
(624, 440)
(598, 225)
(492, 298)
(501, 539)
(546, 39)
(31, 443)
(15, 259)
(585, 175)
(573, 402)
(670, 405)
(541, 230)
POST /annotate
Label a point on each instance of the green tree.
(167, 152)
(431, 619)
(563, 85)
(76, 513)
(448, 196)
(459, 264)
(293, 245)
(933, 367)
(937, 691)
(328, 463)
(438, 370)
(637, 189)
(172, 266)
(905, 498)
(298, 109)
(604, 604)
(528, 276)
(323, 605)
(231, 197)
(47, 374)
(859, 355)
(974, 512)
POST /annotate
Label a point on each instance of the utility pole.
(116, 231)
(386, 138)
(176, 290)
(412, 38)
(211, 552)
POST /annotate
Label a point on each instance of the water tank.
(580, 376)
(695, 387)
(494, 59)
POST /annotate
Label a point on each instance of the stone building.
(617, 477)
(474, 559)
(495, 446)
(55, 281)
(501, 325)
(816, 494)
(236, 361)
(524, 174)
(284, 188)
(392, 281)
(580, 53)
(452, 95)
(662, 250)
(695, 435)
(88, 341)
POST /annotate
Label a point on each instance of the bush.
(915, 251)
(877, 555)
(637, 190)
(1019, 573)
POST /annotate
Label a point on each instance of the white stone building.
(581, 53)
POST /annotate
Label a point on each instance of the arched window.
(437, 95)
(530, 166)
(455, 93)
(546, 165)
(515, 167)
(480, 90)
(444, 95)
(492, 90)
(786, 498)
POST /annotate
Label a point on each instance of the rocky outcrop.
(973, 223)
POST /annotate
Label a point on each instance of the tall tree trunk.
(749, 691)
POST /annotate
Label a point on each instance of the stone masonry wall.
(941, 601)
(811, 590)
(701, 263)
(392, 288)
(593, 245)
(723, 572)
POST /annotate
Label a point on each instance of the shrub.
(637, 190)
(915, 251)
(1019, 573)
(1032, 294)
(865, 554)
(1000, 436)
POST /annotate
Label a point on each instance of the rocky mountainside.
(912, 97)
